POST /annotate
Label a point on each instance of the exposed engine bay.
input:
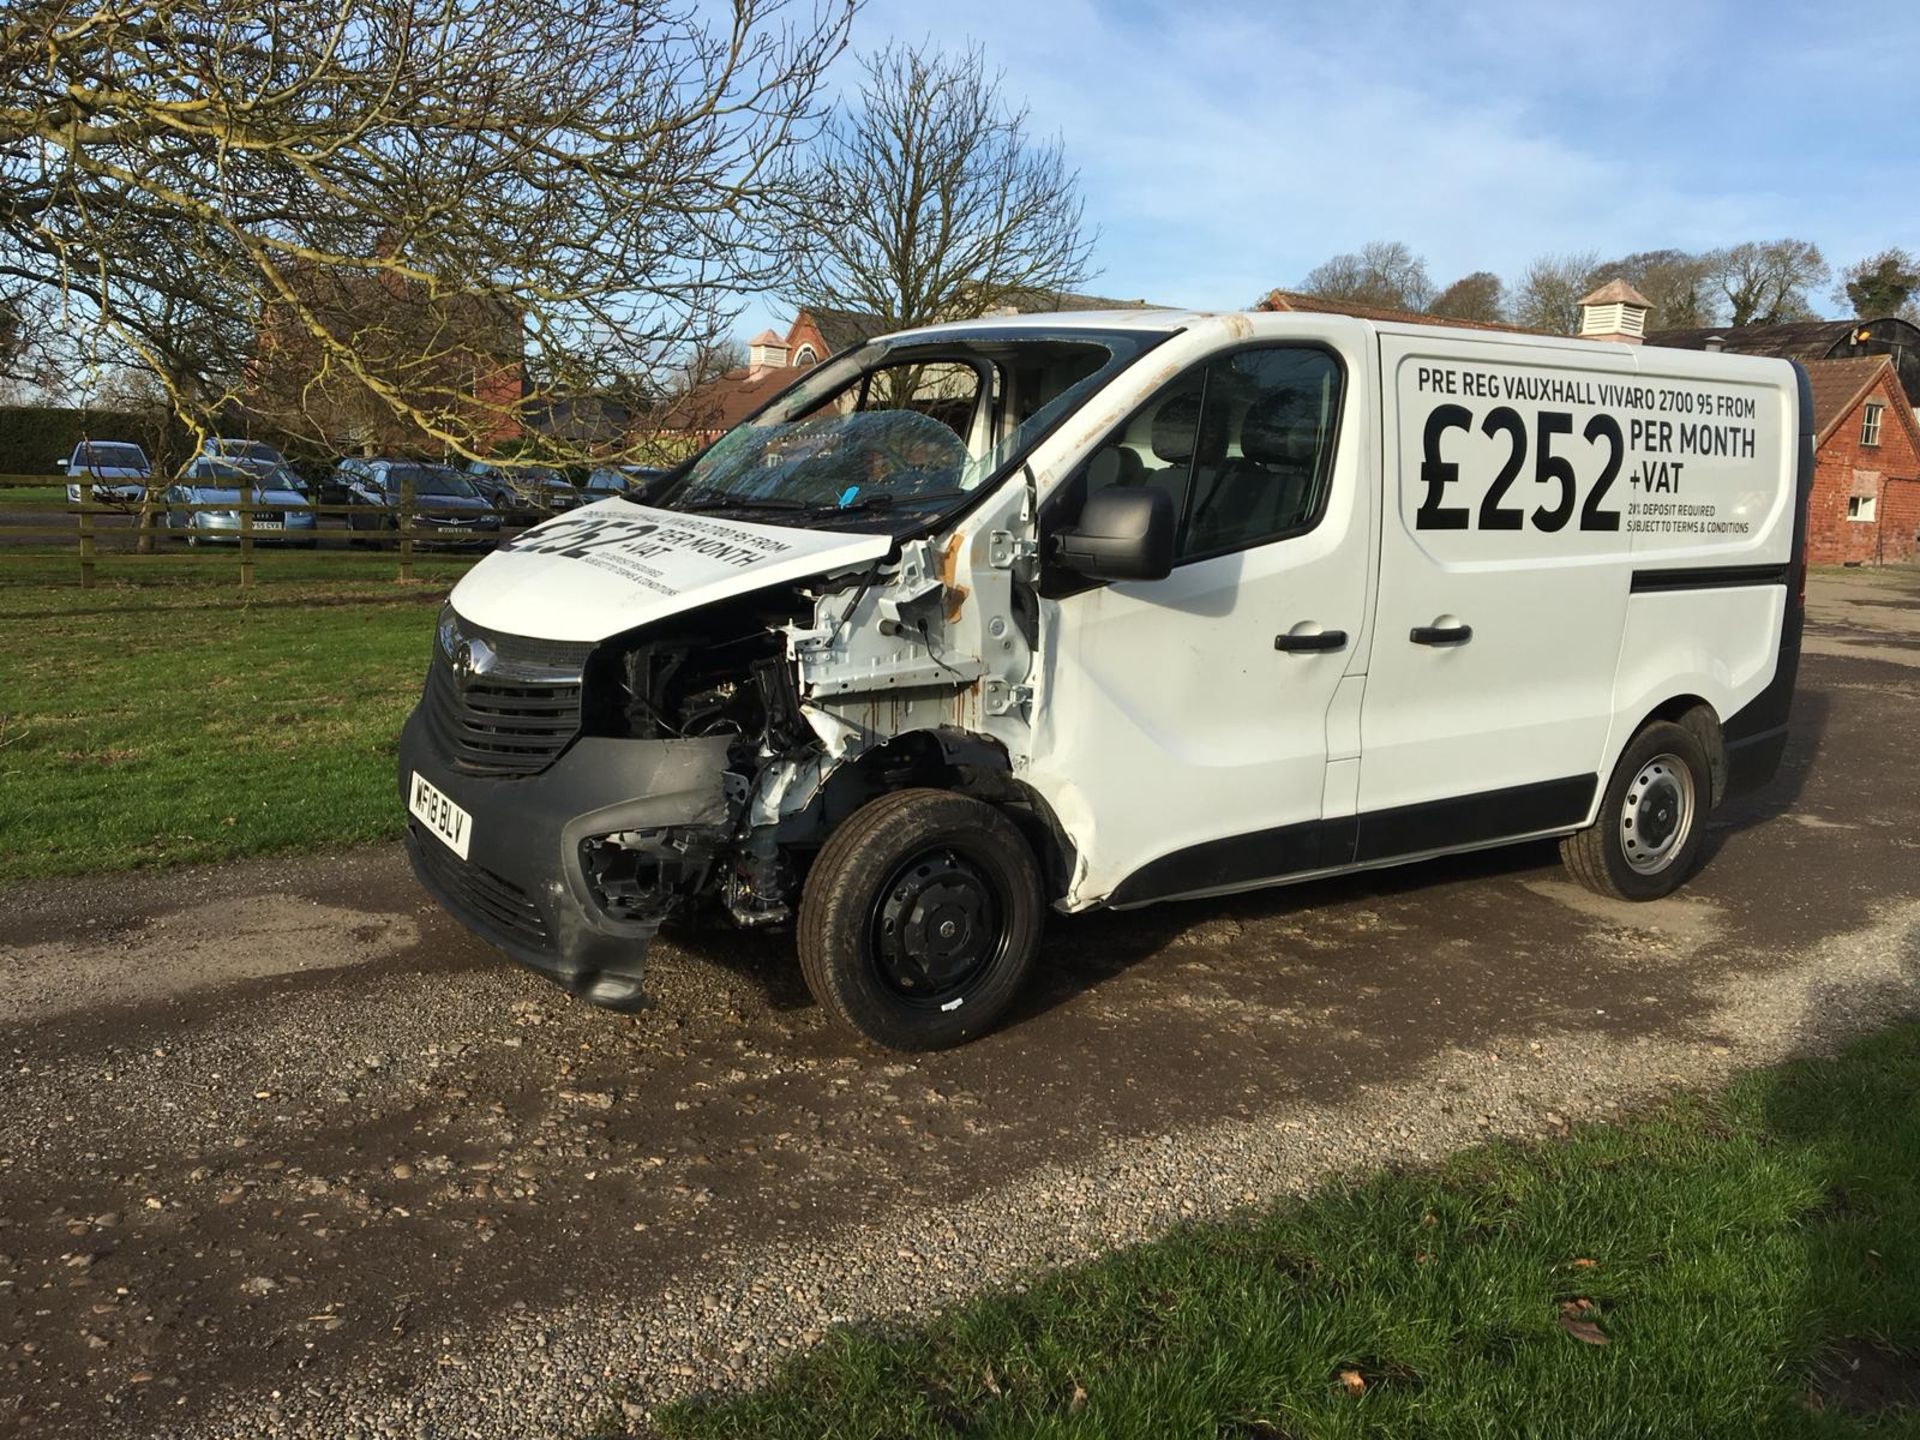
(811, 700)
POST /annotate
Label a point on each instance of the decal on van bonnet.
(1575, 454)
(666, 554)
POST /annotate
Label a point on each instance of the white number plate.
(269, 525)
(440, 815)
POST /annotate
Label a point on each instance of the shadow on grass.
(1747, 1264)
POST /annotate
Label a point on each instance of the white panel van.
(1104, 609)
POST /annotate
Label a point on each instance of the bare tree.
(1382, 272)
(707, 362)
(1766, 282)
(1480, 297)
(932, 200)
(1880, 285)
(560, 194)
(1547, 298)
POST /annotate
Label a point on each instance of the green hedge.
(32, 437)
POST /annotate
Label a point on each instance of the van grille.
(511, 715)
(501, 904)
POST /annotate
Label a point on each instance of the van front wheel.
(921, 919)
(1646, 840)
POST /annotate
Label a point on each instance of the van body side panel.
(1714, 604)
(1720, 644)
(1168, 726)
(1613, 522)
(1756, 734)
(1505, 525)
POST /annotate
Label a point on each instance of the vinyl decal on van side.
(1572, 452)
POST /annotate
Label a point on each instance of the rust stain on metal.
(956, 595)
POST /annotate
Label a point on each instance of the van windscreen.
(905, 425)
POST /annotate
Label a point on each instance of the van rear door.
(1504, 575)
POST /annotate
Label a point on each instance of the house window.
(1861, 507)
(1870, 423)
(805, 356)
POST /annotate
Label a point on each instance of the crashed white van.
(1103, 609)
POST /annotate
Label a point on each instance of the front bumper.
(296, 525)
(523, 888)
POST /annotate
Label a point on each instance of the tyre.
(921, 920)
(1646, 840)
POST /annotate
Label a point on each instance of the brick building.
(1865, 508)
(1865, 375)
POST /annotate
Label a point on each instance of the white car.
(1106, 609)
(117, 470)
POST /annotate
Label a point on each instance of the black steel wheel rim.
(939, 924)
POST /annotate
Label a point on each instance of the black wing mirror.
(1124, 533)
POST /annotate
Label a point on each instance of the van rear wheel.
(921, 919)
(1646, 840)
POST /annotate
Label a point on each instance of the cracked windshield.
(903, 426)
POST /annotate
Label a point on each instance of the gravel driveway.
(283, 1151)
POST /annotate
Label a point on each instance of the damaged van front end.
(635, 713)
(567, 798)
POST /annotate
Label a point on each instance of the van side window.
(1158, 445)
(1277, 410)
(1244, 445)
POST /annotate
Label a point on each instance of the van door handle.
(1301, 638)
(1447, 630)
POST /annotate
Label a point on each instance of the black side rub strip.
(1709, 577)
(1434, 825)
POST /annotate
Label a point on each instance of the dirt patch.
(171, 955)
(1862, 1379)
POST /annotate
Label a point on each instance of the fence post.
(406, 526)
(247, 494)
(86, 532)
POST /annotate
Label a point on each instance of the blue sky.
(1228, 146)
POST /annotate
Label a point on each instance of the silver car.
(118, 470)
(254, 455)
(278, 513)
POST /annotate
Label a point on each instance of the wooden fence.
(60, 524)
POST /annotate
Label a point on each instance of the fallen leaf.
(1355, 1382)
(1078, 1402)
(1586, 1264)
(1585, 1331)
(993, 1385)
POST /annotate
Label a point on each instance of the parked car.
(524, 494)
(278, 513)
(249, 454)
(118, 469)
(608, 480)
(446, 504)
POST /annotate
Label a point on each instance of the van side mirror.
(1124, 533)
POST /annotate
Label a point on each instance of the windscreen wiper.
(883, 500)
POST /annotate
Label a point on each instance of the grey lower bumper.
(522, 887)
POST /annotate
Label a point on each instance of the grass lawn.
(36, 495)
(167, 716)
(1728, 1250)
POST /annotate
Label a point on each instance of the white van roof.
(1279, 323)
